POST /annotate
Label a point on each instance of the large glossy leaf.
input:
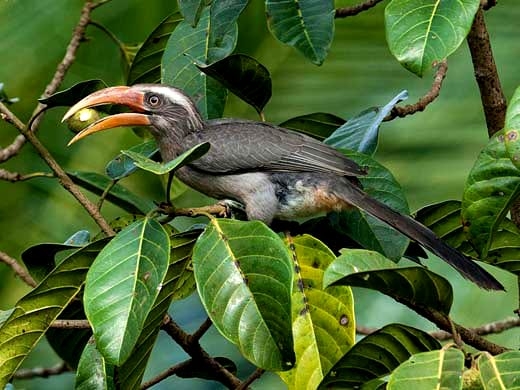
(121, 166)
(177, 284)
(161, 168)
(244, 277)
(319, 125)
(491, 187)
(441, 369)
(307, 25)
(223, 30)
(244, 76)
(40, 258)
(122, 285)
(501, 371)
(146, 66)
(378, 354)
(73, 94)
(178, 69)
(417, 285)
(361, 132)
(117, 195)
(324, 325)
(36, 311)
(422, 32)
(93, 371)
(369, 231)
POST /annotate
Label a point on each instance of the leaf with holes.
(319, 125)
(501, 371)
(368, 231)
(146, 66)
(491, 187)
(307, 25)
(93, 371)
(162, 168)
(441, 369)
(177, 284)
(35, 312)
(324, 325)
(178, 70)
(122, 285)
(377, 355)
(361, 132)
(422, 32)
(417, 285)
(244, 277)
(244, 76)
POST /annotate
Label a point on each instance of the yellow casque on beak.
(130, 97)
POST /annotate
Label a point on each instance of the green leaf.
(191, 10)
(244, 76)
(361, 132)
(512, 126)
(244, 277)
(146, 66)
(118, 194)
(501, 371)
(491, 187)
(162, 168)
(81, 237)
(121, 166)
(73, 94)
(422, 32)
(440, 369)
(324, 325)
(175, 284)
(36, 311)
(377, 355)
(122, 285)
(179, 71)
(319, 125)
(417, 285)
(93, 371)
(40, 258)
(223, 31)
(308, 25)
(6, 99)
(368, 231)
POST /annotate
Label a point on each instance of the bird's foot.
(231, 209)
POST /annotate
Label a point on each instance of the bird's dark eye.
(154, 100)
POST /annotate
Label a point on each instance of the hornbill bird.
(274, 172)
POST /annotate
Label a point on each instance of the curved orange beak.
(130, 97)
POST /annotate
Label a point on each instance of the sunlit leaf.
(377, 355)
(244, 76)
(429, 370)
(162, 168)
(122, 285)
(244, 277)
(308, 25)
(422, 32)
(410, 285)
(501, 371)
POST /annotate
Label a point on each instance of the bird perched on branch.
(274, 172)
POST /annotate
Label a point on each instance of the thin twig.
(253, 377)
(18, 269)
(70, 324)
(13, 177)
(105, 193)
(193, 348)
(429, 97)
(203, 328)
(166, 374)
(356, 9)
(42, 372)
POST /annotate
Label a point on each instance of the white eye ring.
(154, 100)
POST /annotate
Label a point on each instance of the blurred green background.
(430, 153)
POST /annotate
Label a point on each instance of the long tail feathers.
(420, 233)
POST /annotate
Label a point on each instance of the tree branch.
(253, 377)
(13, 177)
(18, 269)
(429, 97)
(70, 324)
(165, 374)
(192, 347)
(355, 9)
(42, 372)
(486, 74)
